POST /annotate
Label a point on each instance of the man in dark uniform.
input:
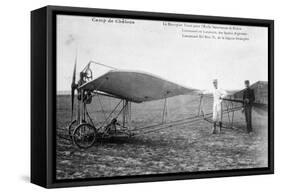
(248, 98)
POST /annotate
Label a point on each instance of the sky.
(190, 54)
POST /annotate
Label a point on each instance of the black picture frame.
(43, 95)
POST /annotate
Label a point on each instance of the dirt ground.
(184, 148)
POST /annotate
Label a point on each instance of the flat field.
(184, 148)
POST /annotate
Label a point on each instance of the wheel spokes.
(84, 135)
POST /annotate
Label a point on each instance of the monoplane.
(135, 87)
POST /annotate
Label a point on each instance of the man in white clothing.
(218, 95)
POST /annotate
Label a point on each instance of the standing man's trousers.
(248, 115)
(217, 112)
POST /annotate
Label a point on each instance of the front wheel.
(84, 135)
(72, 127)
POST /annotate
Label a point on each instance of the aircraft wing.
(136, 86)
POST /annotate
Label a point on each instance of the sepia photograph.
(149, 97)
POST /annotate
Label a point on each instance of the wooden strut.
(232, 114)
(127, 114)
(81, 116)
(165, 111)
(124, 113)
(200, 110)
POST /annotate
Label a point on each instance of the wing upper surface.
(136, 86)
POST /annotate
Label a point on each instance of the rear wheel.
(84, 135)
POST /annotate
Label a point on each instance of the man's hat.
(247, 82)
(215, 81)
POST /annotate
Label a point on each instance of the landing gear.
(72, 127)
(84, 135)
(82, 130)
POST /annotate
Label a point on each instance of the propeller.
(73, 87)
